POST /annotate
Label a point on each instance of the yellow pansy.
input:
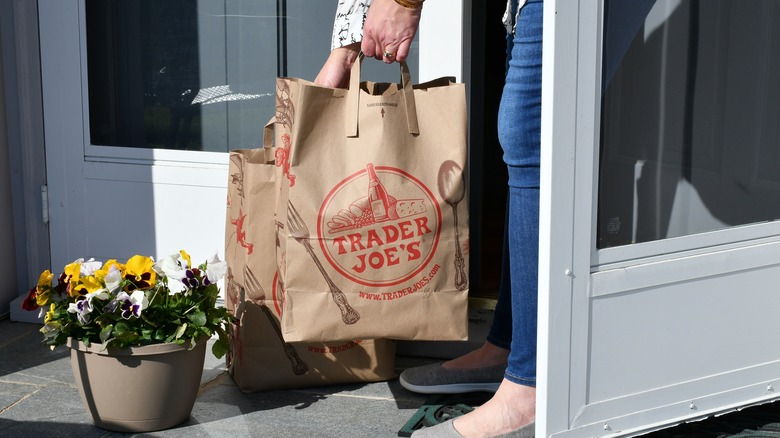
(49, 315)
(91, 283)
(139, 270)
(43, 291)
(186, 257)
(73, 273)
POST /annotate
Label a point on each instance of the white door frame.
(25, 137)
(639, 337)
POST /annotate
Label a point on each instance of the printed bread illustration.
(378, 206)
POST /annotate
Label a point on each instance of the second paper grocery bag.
(373, 209)
(259, 358)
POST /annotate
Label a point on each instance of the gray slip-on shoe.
(447, 430)
(434, 379)
(527, 431)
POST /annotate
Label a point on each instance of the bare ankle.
(484, 356)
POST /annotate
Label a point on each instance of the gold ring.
(388, 54)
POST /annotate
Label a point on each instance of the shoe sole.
(452, 388)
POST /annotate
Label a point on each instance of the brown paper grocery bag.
(373, 209)
(259, 358)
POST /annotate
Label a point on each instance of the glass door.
(143, 100)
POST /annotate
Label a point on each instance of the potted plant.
(137, 333)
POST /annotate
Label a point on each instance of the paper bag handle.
(354, 98)
(268, 140)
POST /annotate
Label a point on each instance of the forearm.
(349, 21)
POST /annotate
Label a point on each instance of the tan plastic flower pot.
(138, 389)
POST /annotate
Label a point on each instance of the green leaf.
(220, 348)
(105, 334)
(121, 328)
(180, 331)
(197, 318)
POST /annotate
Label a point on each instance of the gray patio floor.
(38, 397)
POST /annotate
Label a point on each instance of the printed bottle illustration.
(379, 227)
(378, 206)
(377, 195)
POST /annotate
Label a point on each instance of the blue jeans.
(519, 120)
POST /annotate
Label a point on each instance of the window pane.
(690, 111)
(197, 74)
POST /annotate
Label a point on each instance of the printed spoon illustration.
(452, 189)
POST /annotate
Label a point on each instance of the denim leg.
(524, 246)
(500, 333)
(519, 126)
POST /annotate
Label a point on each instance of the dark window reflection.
(690, 112)
(179, 74)
(199, 74)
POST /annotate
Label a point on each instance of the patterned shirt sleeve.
(348, 25)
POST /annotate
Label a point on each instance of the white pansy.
(101, 294)
(82, 309)
(90, 266)
(215, 269)
(132, 305)
(139, 297)
(113, 279)
(172, 267)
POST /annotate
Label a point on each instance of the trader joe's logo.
(379, 226)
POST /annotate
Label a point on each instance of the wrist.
(348, 54)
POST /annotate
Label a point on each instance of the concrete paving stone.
(12, 393)
(326, 412)
(50, 409)
(25, 360)
(30, 428)
(12, 330)
(38, 397)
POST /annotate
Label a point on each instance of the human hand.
(389, 28)
(335, 71)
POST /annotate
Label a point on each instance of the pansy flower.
(89, 267)
(72, 275)
(30, 302)
(113, 279)
(41, 294)
(186, 257)
(43, 288)
(174, 268)
(88, 285)
(62, 284)
(215, 270)
(191, 278)
(82, 308)
(109, 273)
(139, 270)
(132, 305)
(50, 314)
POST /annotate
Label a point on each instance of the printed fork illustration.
(300, 232)
(253, 285)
